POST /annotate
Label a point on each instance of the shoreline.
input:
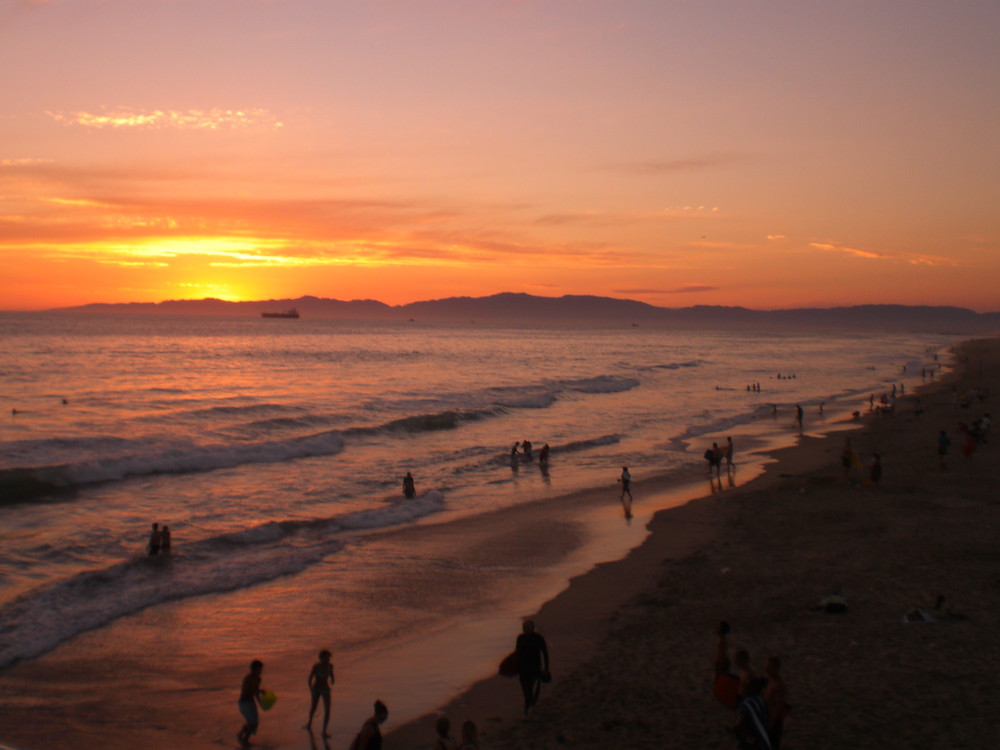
(679, 537)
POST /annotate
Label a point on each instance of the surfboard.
(508, 667)
(267, 700)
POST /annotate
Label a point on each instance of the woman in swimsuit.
(320, 680)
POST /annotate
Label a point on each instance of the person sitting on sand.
(776, 701)
(751, 718)
(370, 736)
(444, 741)
(470, 736)
(319, 681)
(722, 662)
(250, 692)
(746, 675)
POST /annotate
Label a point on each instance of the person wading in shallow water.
(532, 662)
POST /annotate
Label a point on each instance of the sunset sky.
(725, 152)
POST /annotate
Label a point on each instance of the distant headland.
(515, 308)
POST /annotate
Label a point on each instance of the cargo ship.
(293, 313)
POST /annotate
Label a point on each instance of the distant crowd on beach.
(529, 662)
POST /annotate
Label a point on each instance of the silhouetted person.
(626, 480)
(320, 679)
(370, 736)
(155, 540)
(250, 692)
(165, 540)
(532, 662)
(409, 490)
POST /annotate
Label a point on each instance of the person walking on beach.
(532, 662)
(155, 540)
(409, 489)
(626, 480)
(250, 692)
(943, 443)
(730, 466)
(370, 736)
(319, 681)
(798, 416)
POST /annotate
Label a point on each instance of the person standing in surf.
(155, 540)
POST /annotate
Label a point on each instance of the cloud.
(776, 237)
(125, 118)
(914, 259)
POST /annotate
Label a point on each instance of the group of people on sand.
(159, 540)
(530, 661)
(759, 702)
(715, 456)
(321, 679)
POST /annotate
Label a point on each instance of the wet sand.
(631, 639)
(864, 679)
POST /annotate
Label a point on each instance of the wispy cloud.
(915, 259)
(125, 118)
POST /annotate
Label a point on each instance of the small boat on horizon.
(291, 313)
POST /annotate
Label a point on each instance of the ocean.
(275, 451)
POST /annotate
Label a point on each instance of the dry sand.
(760, 557)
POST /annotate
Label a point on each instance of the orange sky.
(774, 154)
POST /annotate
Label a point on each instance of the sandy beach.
(763, 557)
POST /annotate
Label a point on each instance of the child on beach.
(320, 680)
(250, 692)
